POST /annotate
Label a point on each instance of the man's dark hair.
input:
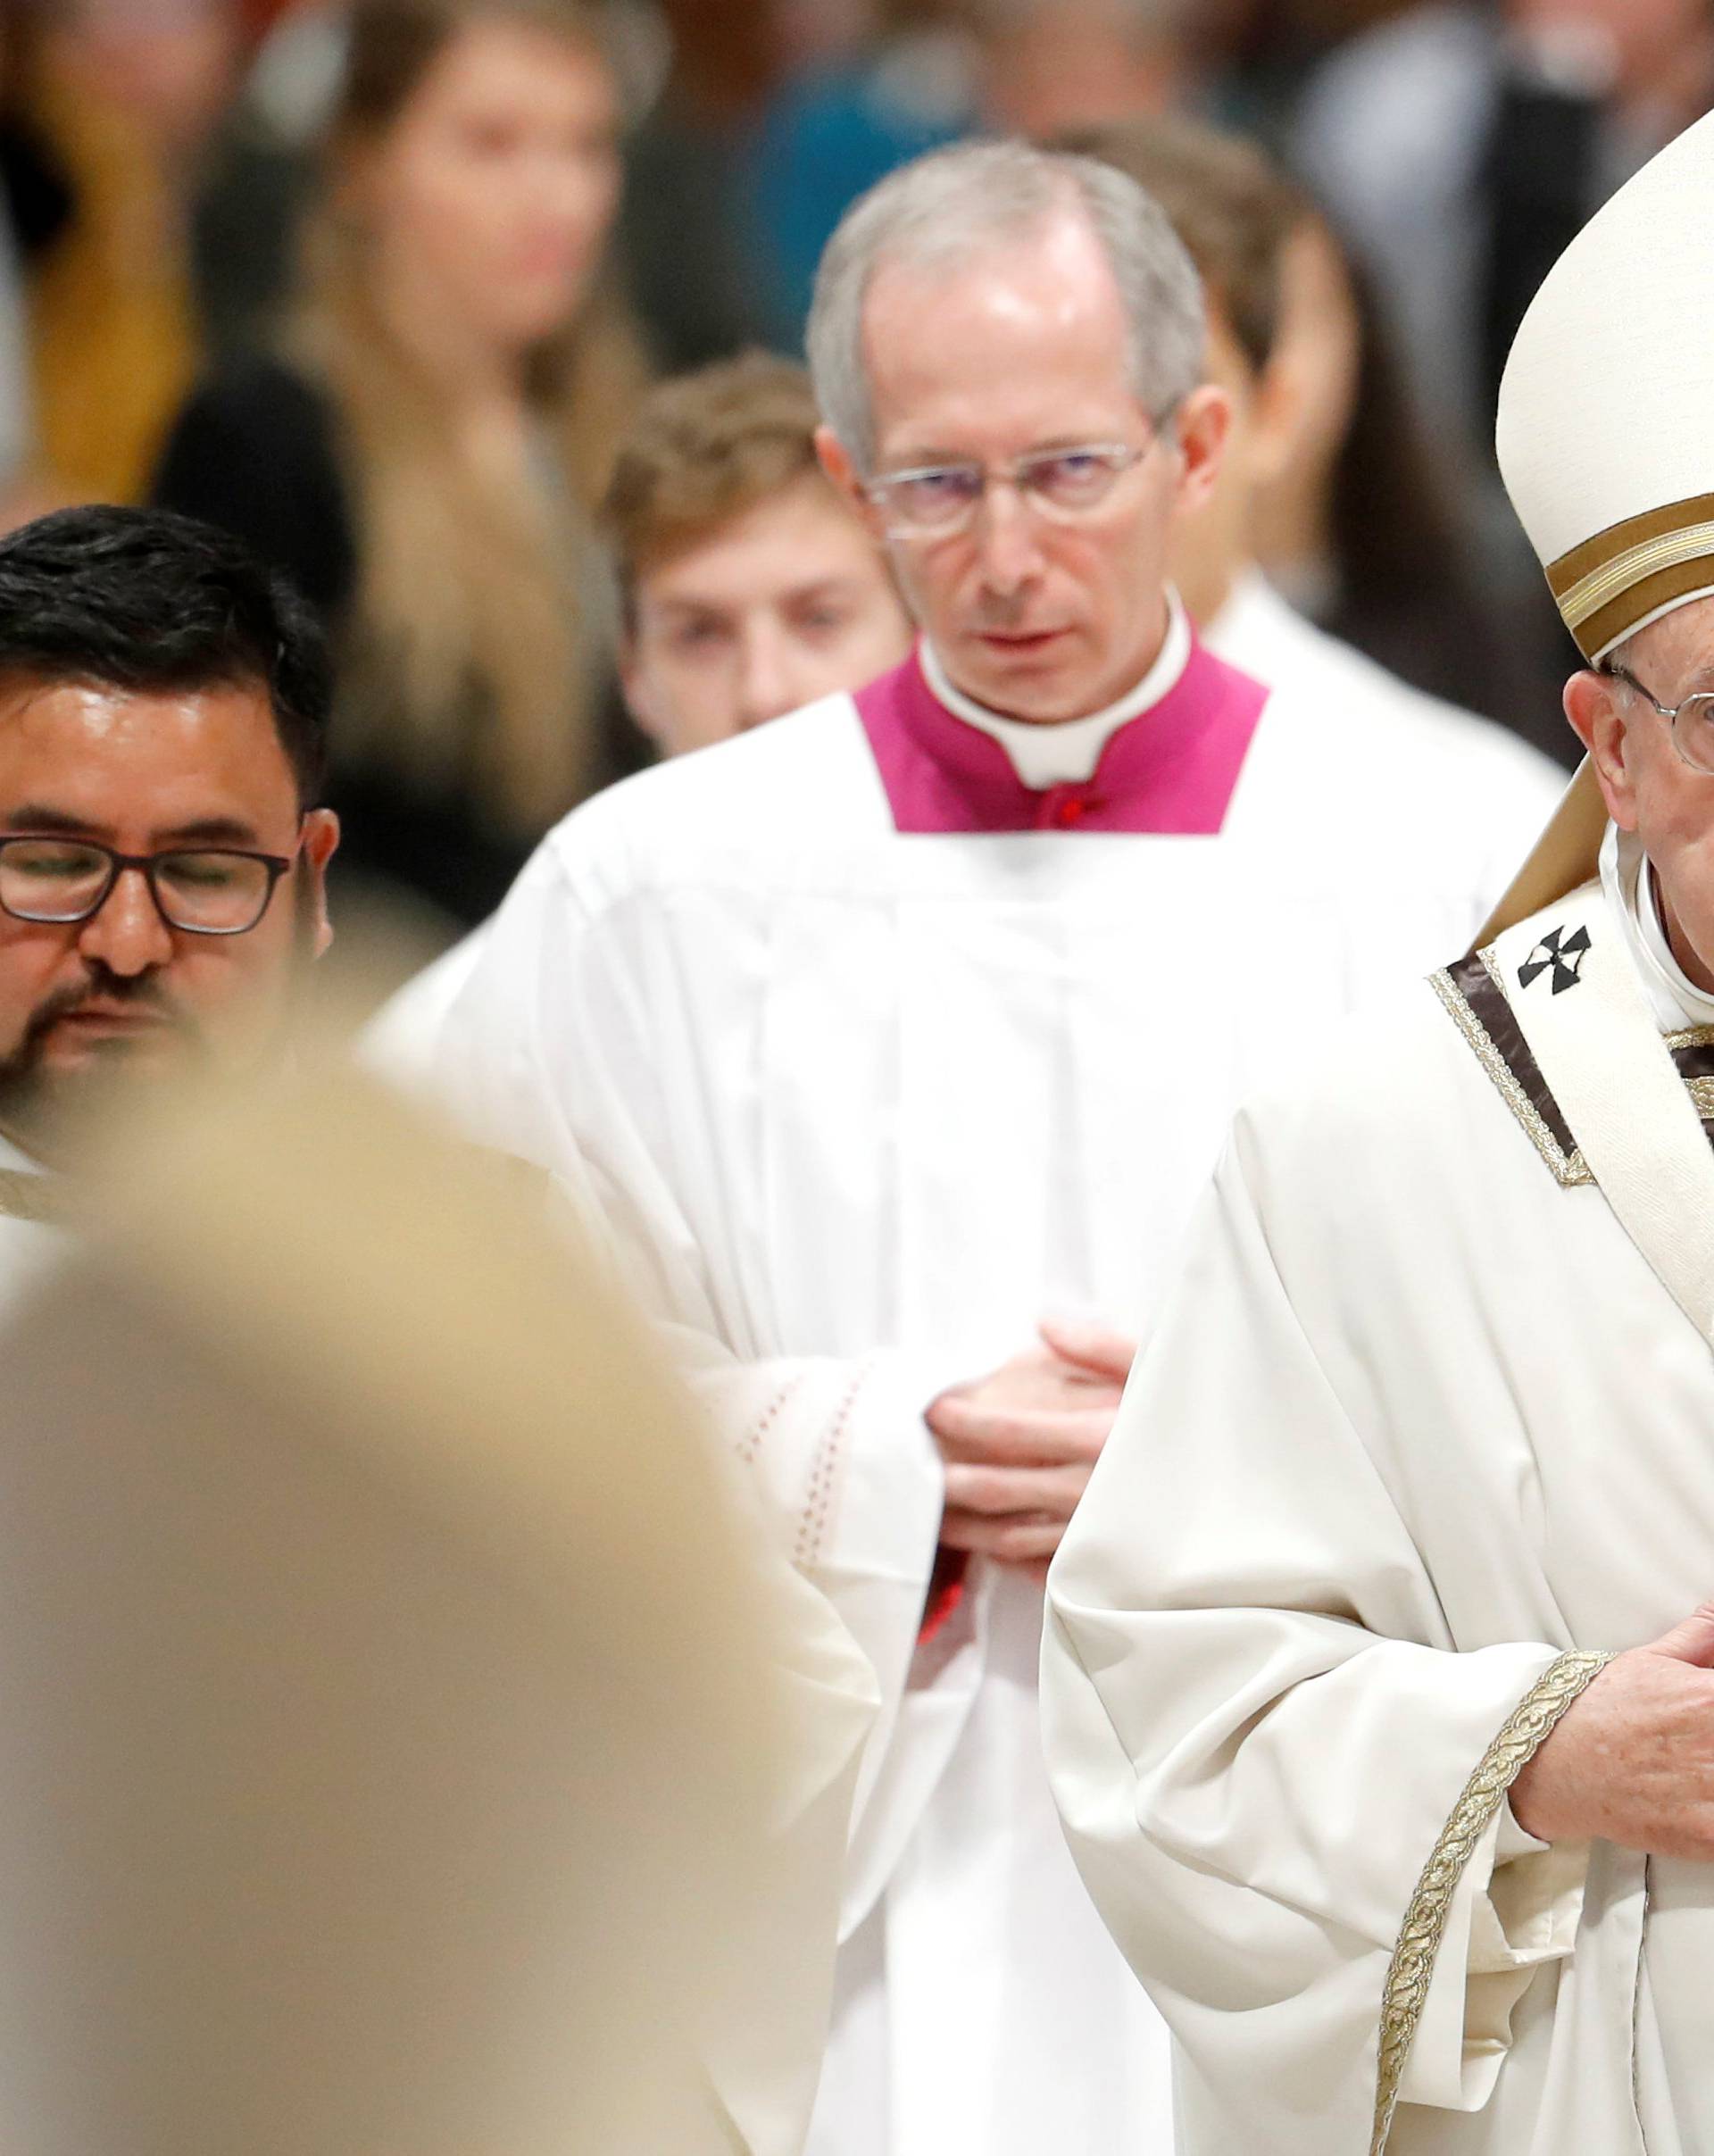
(153, 603)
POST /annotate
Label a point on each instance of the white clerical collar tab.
(1066, 752)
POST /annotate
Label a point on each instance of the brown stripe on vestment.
(1474, 982)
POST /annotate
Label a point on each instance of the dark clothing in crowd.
(35, 194)
(256, 451)
(1459, 169)
(1542, 176)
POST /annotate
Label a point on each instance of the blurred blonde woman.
(423, 451)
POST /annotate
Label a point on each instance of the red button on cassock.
(1071, 812)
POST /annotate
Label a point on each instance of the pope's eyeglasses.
(934, 501)
(202, 890)
(1691, 723)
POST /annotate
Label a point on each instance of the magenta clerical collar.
(1170, 770)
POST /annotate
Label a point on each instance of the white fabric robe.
(1420, 1421)
(859, 1109)
(401, 1038)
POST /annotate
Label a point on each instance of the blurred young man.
(164, 706)
(893, 1039)
(1239, 217)
(751, 587)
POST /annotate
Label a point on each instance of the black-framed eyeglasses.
(934, 501)
(1691, 723)
(202, 890)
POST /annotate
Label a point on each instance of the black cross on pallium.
(1564, 953)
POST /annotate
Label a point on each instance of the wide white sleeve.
(765, 2051)
(1285, 1791)
(568, 1045)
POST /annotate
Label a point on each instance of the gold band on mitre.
(1626, 575)
(1605, 589)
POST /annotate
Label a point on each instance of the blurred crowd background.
(393, 320)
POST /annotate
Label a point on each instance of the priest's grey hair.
(952, 206)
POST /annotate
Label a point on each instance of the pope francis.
(1379, 1678)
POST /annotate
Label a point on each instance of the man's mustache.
(141, 991)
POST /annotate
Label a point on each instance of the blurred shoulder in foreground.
(413, 1730)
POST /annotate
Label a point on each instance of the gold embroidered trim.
(1692, 1036)
(1408, 1973)
(1570, 1169)
(1702, 1096)
(1590, 594)
(1615, 539)
(31, 1197)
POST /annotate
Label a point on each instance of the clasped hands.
(1020, 1444)
(1632, 1762)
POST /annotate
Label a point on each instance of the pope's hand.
(1019, 1444)
(1632, 1760)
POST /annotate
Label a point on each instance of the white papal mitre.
(1605, 438)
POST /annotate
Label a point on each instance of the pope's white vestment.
(1423, 1434)
(859, 1105)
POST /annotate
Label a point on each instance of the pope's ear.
(1595, 704)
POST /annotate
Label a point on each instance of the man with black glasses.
(163, 705)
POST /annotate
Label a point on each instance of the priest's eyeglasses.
(934, 501)
(202, 890)
(1692, 721)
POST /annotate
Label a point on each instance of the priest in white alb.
(1379, 1677)
(886, 1036)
